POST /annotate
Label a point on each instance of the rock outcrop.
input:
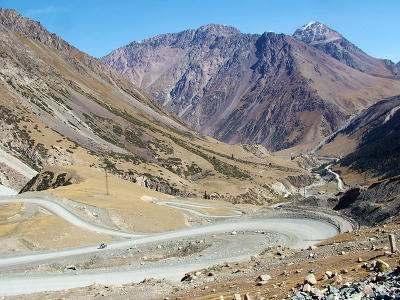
(50, 179)
(380, 202)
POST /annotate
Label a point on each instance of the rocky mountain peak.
(6, 13)
(11, 20)
(316, 32)
(218, 29)
(336, 45)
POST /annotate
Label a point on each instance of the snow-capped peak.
(309, 24)
(316, 32)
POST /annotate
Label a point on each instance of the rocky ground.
(379, 286)
(334, 269)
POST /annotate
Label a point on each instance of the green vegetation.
(219, 165)
(192, 169)
(117, 129)
(135, 138)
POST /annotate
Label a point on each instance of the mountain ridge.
(214, 83)
(336, 45)
(64, 109)
(370, 142)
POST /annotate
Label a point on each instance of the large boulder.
(50, 178)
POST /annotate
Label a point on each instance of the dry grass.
(45, 232)
(340, 146)
(123, 203)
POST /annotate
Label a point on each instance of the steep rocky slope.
(61, 107)
(380, 202)
(270, 89)
(334, 44)
(372, 139)
(397, 69)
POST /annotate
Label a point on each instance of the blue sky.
(99, 26)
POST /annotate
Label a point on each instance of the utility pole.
(392, 241)
(107, 190)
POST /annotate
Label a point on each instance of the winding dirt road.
(294, 232)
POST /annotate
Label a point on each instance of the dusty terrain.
(214, 240)
(344, 254)
(120, 199)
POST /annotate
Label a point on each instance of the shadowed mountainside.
(372, 139)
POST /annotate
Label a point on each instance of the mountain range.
(203, 164)
(61, 107)
(272, 89)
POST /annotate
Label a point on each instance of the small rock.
(382, 266)
(310, 278)
(368, 290)
(187, 278)
(312, 247)
(360, 259)
(317, 293)
(338, 278)
(254, 257)
(237, 297)
(332, 297)
(264, 277)
(285, 273)
(234, 232)
(306, 288)
(329, 274)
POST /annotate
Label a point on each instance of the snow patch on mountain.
(309, 24)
